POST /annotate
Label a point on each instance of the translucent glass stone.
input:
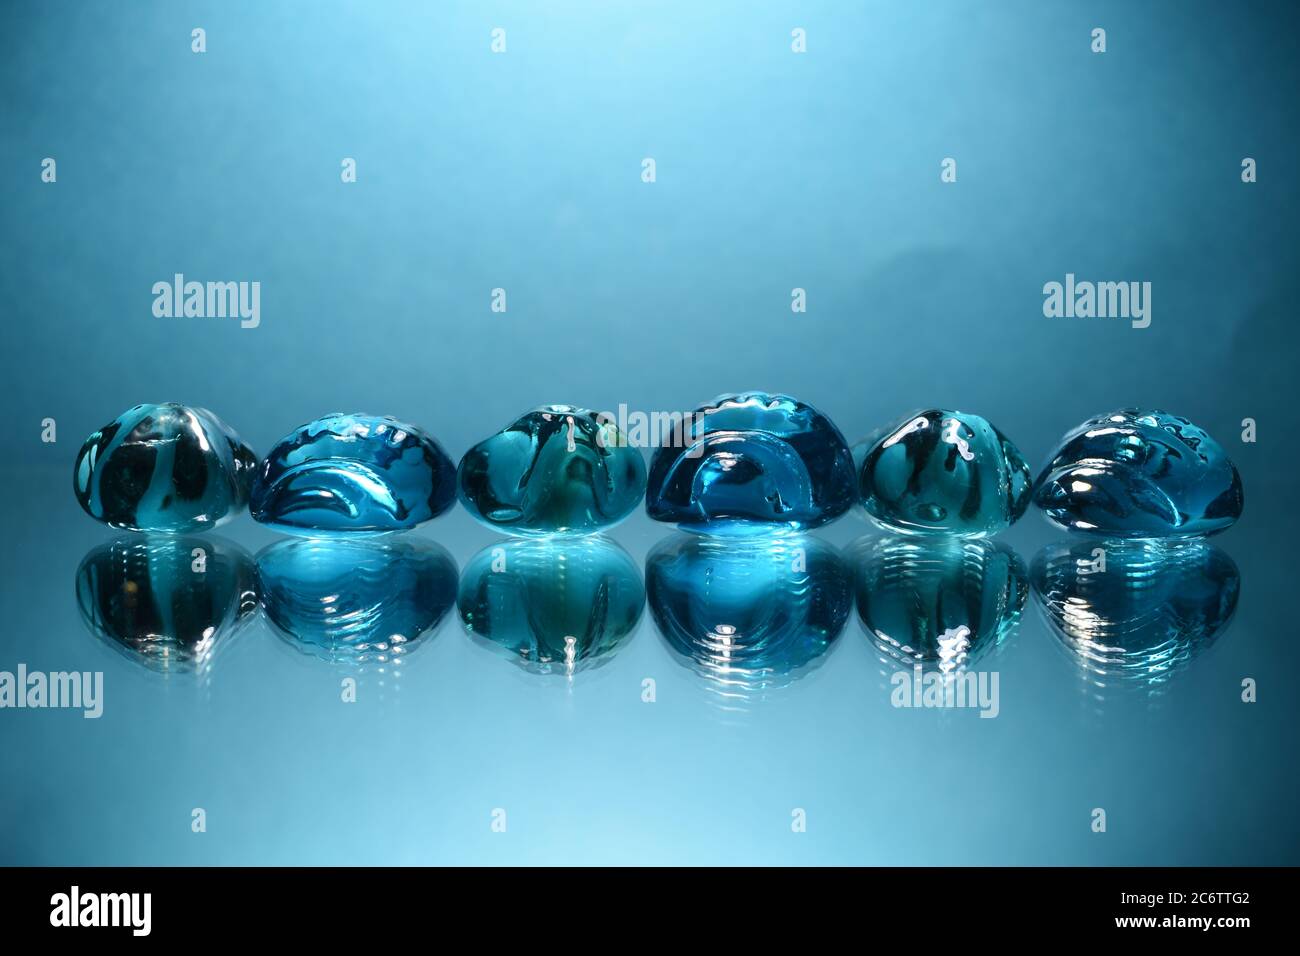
(941, 603)
(944, 472)
(353, 600)
(749, 613)
(753, 461)
(353, 474)
(1139, 474)
(1135, 612)
(556, 469)
(552, 605)
(166, 468)
(168, 602)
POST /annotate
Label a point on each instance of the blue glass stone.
(748, 614)
(944, 472)
(1134, 613)
(353, 474)
(557, 468)
(1138, 474)
(354, 600)
(166, 468)
(753, 461)
(552, 605)
(940, 603)
(167, 602)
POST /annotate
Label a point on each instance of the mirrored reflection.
(941, 603)
(749, 614)
(356, 600)
(1135, 612)
(552, 605)
(167, 602)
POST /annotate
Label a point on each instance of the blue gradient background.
(522, 171)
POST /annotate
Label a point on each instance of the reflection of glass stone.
(169, 602)
(1136, 474)
(1135, 610)
(552, 605)
(753, 460)
(942, 603)
(353, 473)
(356, 599)
(557, 469)
(748, 613)
(164, 468)
(946, 472)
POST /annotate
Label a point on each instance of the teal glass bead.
(353, 474)
(1140, 474)
(552, 605)
(354, 600)
(1135, 612)
(167, 468)
(944, 472)
(938, 603)
(556, 469)
(748, 613)
(753, 462)
(167, 602)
